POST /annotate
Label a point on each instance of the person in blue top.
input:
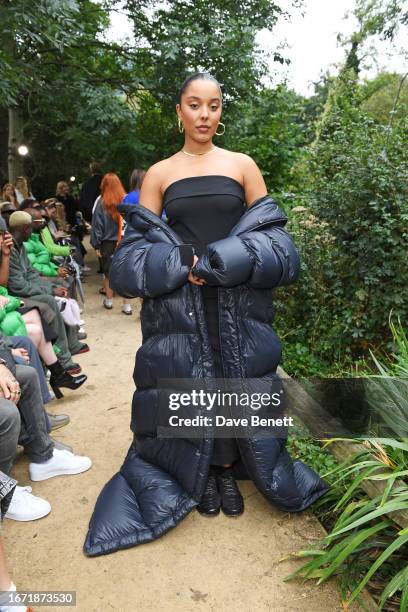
(135, 183)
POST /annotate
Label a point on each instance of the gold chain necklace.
(198, 154)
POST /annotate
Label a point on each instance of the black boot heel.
(62, 378)
(58, 394)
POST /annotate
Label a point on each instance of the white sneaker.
(4, 607)
(62, 462)
(127, 309)
(81, 330)
(81, 322)
(27, 507)
(86, 269)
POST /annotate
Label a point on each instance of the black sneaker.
(232, 502)
(210, 501)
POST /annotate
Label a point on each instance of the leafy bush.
(352, 232)
(365, 546)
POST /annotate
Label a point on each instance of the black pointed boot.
(62, 378)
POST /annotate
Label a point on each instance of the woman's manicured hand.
(194, 279)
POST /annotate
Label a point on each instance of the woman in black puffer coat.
(164, 478)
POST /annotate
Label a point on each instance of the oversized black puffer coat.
(162, 479)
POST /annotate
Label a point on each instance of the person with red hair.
(106, 231)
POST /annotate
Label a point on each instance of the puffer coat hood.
(162, 479)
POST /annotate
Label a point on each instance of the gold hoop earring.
(180, 126)
(222, 133)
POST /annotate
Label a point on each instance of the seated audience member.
(7, 210)
(32, 328)
(25, 353)
(54, 222)
(50, 232)
(59, 243)
(26, 282)
(11, 321)
(22, 190)
(22, 411)
(9, 194)
(29, 203)
(33, 312)
(42, 260)
(37, 252)
(7, 490)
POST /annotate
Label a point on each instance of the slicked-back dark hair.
(205, 76)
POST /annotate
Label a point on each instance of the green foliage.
(380, 94)
(270, 127)
(84, 97)
(353, 235)
(180, 37)
(71, 86)
(364, 543)
(354, 550)
(311, 452)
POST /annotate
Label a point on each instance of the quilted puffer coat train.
(163, 479)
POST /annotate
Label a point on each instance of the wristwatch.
(3, 362)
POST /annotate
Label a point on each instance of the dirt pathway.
(204, 564)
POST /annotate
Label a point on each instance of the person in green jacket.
(39, 256)
(54, 249)
(49, 234)
(11, 321)
(37, 252)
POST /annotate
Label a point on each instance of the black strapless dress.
(203, 209)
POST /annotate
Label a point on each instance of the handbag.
(69, 310)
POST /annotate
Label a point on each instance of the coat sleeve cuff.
(227, 263)
(164, 270)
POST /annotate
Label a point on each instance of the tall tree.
(178, 37)
(53, 47)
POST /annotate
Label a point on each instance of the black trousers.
(225, 449)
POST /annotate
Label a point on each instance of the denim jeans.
(38, 445)
(35, 362)
(9, 431)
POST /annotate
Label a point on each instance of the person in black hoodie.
(91, 189)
